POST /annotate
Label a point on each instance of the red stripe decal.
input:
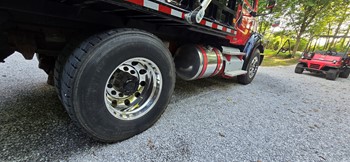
(218, 63)
(203, 22)
(205, 59)
(215, 26)
(224, 29)
(138, 2)
(164, 9)
(183, 15)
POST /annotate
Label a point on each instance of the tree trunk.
(282, 36)
(309, 43)
(327, 39)
(346, 34)
(341, 20)
(335, 34)
(316, 43)
(296, 46)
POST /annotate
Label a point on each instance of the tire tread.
(74, 61)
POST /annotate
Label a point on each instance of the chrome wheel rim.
(253, 68)
(133, 88)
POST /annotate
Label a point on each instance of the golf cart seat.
(331, 53)
(342, 54)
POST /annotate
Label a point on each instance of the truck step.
(231, 51)
(235, 73)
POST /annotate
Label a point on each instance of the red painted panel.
(164, 9)
(138, 2)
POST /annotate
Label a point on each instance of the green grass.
(283, 59)
(278, 61)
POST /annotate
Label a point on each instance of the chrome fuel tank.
(197, 61)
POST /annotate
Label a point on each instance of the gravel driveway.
(281, 116)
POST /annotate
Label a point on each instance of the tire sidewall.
(332, 74)
(345, 73)
(299, 68)
(246, 77)
(89, 86)
(256, 55)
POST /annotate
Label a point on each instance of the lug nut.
(114, 103)
(142, 71)
(142, 83)
(126, 102)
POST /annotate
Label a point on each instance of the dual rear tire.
(116, 84)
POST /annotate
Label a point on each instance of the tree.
(303, 13)
(341, 17)
(345, 35)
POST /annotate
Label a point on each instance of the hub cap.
(253, 68)
(133, 88)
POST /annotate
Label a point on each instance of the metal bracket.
(197, 14)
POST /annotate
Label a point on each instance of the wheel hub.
(133, 88)
(130, 86)
(125, 83)
(253, 67)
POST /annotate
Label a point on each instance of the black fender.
(254, 43)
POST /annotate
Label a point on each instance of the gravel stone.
(281, 116)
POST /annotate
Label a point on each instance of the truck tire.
(332, 74)
(62, 59)
(59, 64)
(345, 73)
(252, 68)
(299, 68)
(118, 83)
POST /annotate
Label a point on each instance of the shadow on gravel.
(35, 127)
(316, 75)
(187, 89)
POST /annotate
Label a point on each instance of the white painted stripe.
(155, 6)
(176, 13)
(152, 5)
(219, 27)
(235, 32)
(210, 24)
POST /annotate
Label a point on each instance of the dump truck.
(114, 62)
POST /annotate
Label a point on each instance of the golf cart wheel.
(118, 83)
(299, 68)
(251, 67)
(332, 74)
(345, 73)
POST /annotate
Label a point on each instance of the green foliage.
(302, 44)
(306, 20)
(278, 61)
(276, 45)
